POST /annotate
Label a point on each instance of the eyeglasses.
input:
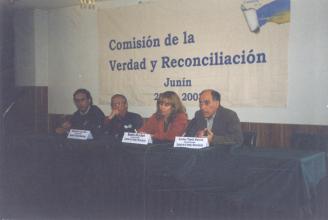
(204, 102)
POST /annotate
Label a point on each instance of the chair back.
(249, 139)
(306, 141)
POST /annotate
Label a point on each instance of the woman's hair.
(173, 99)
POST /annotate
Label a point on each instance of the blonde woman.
(170, 119)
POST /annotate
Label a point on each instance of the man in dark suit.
(220, 125)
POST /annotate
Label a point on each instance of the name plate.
(136, 138)
(80, 134)
(191, 142)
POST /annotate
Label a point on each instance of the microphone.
(12, 103)
(4, 114)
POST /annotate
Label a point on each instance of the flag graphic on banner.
(259, 12)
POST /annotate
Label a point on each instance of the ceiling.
(46, 4)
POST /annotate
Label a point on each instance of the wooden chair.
(249, 139)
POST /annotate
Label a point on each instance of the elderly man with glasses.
(220, 125)
(120, 120)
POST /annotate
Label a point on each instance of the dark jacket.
(118, 125)
(92, 121)
(226, 127)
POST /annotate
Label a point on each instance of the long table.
(50, 176)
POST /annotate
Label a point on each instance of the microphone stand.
(4, 119)
(7, 110)
(5, 113)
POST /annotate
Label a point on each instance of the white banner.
(238, 47)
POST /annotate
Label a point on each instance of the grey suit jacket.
(226, 127)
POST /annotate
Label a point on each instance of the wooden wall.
(30, 111)
(268, 135)
(279, 135)
(30, 115)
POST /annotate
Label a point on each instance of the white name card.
(136, 138)
(191, 142)
(80, 134)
